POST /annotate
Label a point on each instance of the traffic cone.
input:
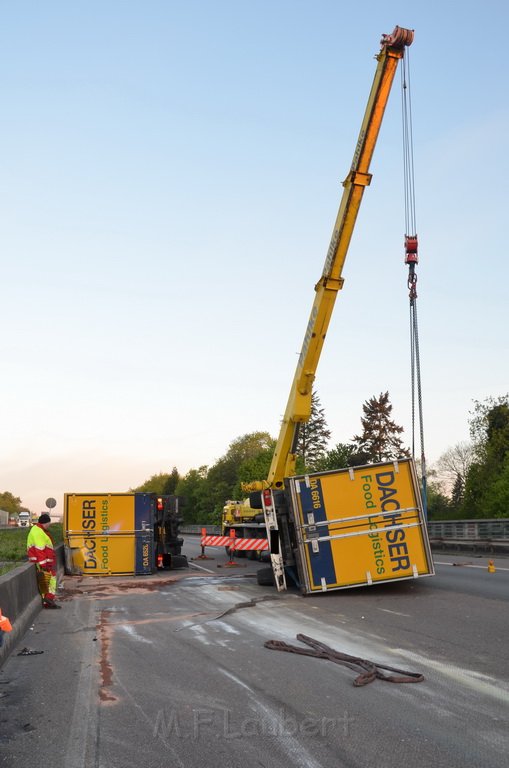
(5, 624)
(491, 567)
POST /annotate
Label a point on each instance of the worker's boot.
(48, 603)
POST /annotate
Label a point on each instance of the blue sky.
(170, 175)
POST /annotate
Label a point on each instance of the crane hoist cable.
(411, 259)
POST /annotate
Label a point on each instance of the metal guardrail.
(476, 536)
(469, 530)
(212, 530)
(490, 536)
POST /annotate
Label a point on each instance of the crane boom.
(298, 408)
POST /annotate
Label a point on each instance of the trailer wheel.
(265, 577)
(179, 561)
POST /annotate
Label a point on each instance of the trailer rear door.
(359, 526)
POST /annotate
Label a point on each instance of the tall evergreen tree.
(380, 439)
(458, 492)
(313, 435)
(172, 482)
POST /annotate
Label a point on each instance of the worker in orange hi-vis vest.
(41, 551)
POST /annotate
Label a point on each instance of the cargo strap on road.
(369, 670)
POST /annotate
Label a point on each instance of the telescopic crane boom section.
(298, 409)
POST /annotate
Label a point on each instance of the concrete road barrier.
(20, 602)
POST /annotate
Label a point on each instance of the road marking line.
(396, 613)
(201, 567)
(481, 684)
(293, 746)
(130, 630)
(467, 565)
(83, 726)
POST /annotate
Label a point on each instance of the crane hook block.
(399, 38)
(411, 249)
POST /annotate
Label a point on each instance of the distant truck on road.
(24, 520)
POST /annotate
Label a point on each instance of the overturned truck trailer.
(348, 528)
(112, 534)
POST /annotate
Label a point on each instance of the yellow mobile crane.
(314, 542)
(298, 408)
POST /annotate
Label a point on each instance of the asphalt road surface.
(172, 672)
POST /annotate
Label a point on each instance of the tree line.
(11, 504)
(206, 489)
(470, 480)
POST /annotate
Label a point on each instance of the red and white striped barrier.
(234, 543)
(215, 541)
(250, 544)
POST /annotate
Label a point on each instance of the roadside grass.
(7, 567)
(13, 545)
